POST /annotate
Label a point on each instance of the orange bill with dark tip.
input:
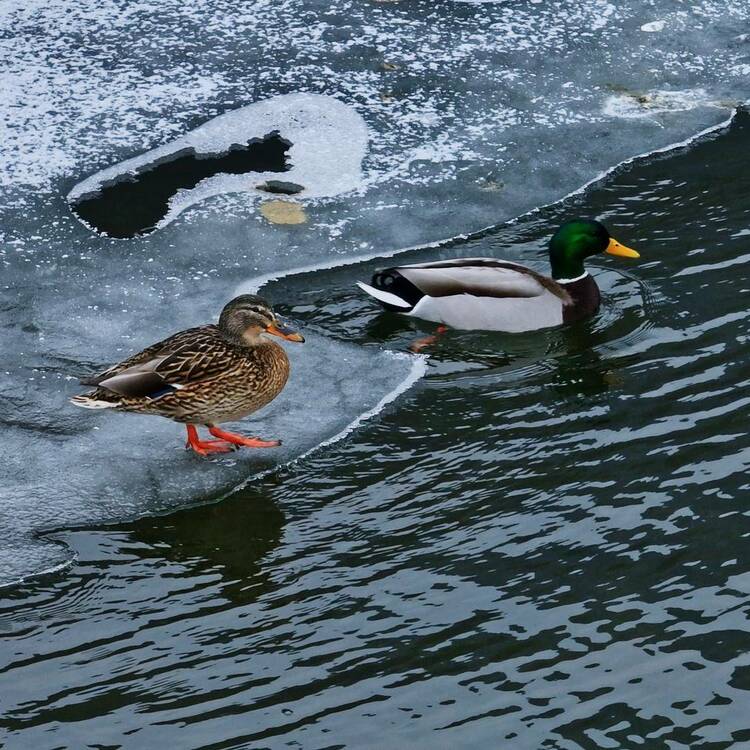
(284, 332)
(615, 248)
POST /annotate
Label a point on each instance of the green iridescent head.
(577, 240)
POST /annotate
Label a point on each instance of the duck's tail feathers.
(85, 401)
(385, 298)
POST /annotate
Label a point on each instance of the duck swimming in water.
(203, 376)
(496, 295)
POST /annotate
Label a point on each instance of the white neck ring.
(570, 281)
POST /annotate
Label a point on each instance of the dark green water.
(544, 544)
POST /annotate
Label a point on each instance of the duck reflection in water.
(229, 538)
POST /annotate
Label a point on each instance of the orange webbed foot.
(206, 447)
(240, 440)
(422, 343)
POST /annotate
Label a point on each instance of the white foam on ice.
(643, 105)
(323, 160)
(653, 26)
(67, 107)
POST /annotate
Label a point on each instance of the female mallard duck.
(496, 295)
(205, 375)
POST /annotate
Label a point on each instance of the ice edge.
(417, 371)
(253, 285)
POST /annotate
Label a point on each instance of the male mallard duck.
(204, 375)
(496, 295)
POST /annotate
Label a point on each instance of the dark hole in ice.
(134, 204)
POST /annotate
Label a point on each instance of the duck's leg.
(420, 344)
(204, 447)
(235, 439)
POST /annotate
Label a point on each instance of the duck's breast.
(256, 381)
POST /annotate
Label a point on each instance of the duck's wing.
(480, 277)
(186, 358)
(159, 349)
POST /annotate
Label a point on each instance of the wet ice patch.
(653, 26)
(317, 141)
(635, 104)
(96, 467)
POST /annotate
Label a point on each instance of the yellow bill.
(615, 248)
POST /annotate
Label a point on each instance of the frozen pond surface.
(409, 122)
(542, 544)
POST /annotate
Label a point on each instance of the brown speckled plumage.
(201, 376)
(221, 381)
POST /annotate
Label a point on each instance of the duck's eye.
(256, 311)
(387, 280)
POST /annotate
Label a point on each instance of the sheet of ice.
(70, 467)
(475, 113)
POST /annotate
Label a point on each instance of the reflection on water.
(228, 539)
(543, 545)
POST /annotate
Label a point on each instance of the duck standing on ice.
(203, 376)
